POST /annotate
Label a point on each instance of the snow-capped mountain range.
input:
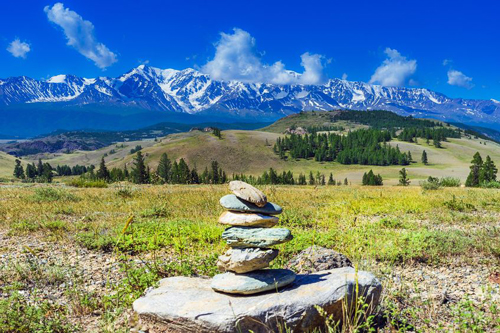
(192, 92)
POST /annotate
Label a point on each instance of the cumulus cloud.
(18, 49)
(80, 35)
(236, 59)
(457, 78)
(395, 70)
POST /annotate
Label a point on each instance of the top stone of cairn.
(247, 192)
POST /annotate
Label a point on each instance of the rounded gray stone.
(248, 192)
(252, 283)
(248, 219)
(232, 202)
(316, 258)
(256, 237)
(243, 260)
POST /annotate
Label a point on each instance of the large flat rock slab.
(183, 304)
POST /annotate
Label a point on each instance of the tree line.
(437, 135)
(272, 177)
(365, 147)
(167, 172)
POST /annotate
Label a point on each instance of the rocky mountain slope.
(191, 92)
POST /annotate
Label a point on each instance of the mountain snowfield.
(192, 92)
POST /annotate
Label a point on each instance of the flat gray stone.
(243, 260)
(256, 237)
(248, 219)
(253, 282)
(184, 304)
(232, 202)
(247, 192)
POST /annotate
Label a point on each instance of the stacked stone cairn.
(250, 237)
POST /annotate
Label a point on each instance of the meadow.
(75, 259)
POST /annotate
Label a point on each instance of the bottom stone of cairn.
(252, 282)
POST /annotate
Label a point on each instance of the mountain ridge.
(191, 92)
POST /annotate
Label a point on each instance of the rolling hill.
(251, 152)
(7, 163)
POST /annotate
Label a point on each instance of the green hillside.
(6, 165)
(251, 152)
(247, 152)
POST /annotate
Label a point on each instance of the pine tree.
(194, 179)
(436, 142)
(214, 174)
(474, 177)
(371, 179)
(488, 171)
(331, 181)
(19, 170)
(39, 168)
(403, 177)
(184, 172)
(139, 173)
(47, 173)
(311, 178)
(164, 168)
(410, 158)
(31, 171)
(103, 172)
(424, 158)
(302, 179)
(126, 174)
(346, 182)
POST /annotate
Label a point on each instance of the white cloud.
(447, 62)
(395, 70)
(344, 76)
(236, 59)
(80, 35)
(457, 78)
(18, 49)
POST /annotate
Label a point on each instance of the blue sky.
(447, 46)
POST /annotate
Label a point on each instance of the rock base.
(183, 304)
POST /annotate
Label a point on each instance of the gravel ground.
(432, 290)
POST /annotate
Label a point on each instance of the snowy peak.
(190, 91)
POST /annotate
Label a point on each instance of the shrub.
(124, 192)
(450, 182)
(459, 205)
(431, 183)
(492, 184)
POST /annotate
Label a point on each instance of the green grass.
(174, 231)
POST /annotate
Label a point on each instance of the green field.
(436, 252)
